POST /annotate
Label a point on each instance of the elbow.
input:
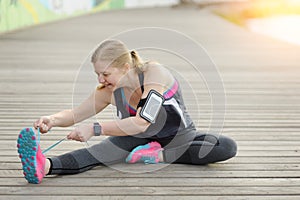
(142, 124)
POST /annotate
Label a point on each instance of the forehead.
(102, 66)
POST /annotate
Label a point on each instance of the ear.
(126, 67)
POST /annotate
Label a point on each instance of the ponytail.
(137, 62)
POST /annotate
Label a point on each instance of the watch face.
(97, 129)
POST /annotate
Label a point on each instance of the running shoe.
(32, 158)
(148, 153)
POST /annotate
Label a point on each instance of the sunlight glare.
(286, 28)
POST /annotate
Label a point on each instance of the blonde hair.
(116, 53)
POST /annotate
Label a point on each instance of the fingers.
(43, 128)
(42, 124)
(75, 135)
(71, 135)
(36, 124)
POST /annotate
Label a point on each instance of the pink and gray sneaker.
(31, 156)
(148, 153)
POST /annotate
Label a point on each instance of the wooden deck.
(261, 76)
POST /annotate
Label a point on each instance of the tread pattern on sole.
(28, 148)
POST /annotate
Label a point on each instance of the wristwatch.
(97, 129)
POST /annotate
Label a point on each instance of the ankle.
(161, 156)
(47, 166)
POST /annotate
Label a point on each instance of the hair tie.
(132, 53)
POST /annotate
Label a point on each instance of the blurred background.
(276, 18)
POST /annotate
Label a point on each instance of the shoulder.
(157, 77)
(153, 66)
(155, 70)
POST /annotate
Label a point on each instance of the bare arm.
(128, 126)
(95, 103)
(124, 127)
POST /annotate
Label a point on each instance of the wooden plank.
(104, 172)
(156, 182)
(168, 197)
(142, 190)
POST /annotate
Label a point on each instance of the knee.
(228, 145)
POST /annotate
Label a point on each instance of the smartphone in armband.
(151, 108)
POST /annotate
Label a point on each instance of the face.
(108, 75)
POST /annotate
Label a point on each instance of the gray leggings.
(190, 147)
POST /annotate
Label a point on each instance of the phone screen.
(152, 106)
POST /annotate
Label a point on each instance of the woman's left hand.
(82, 133)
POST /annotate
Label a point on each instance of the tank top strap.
(141, 79)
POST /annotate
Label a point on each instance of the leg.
(153, 152)
(204, 149)
(110, 151)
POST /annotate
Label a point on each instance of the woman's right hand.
(45, 123)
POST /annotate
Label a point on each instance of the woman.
(164, 134)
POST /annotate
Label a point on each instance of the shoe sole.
(27, 149)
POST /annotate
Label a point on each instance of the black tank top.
(172, 118)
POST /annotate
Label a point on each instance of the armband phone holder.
(150, 110)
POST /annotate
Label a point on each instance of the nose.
(101, 79)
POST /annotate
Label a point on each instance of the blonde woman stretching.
(154, 125)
